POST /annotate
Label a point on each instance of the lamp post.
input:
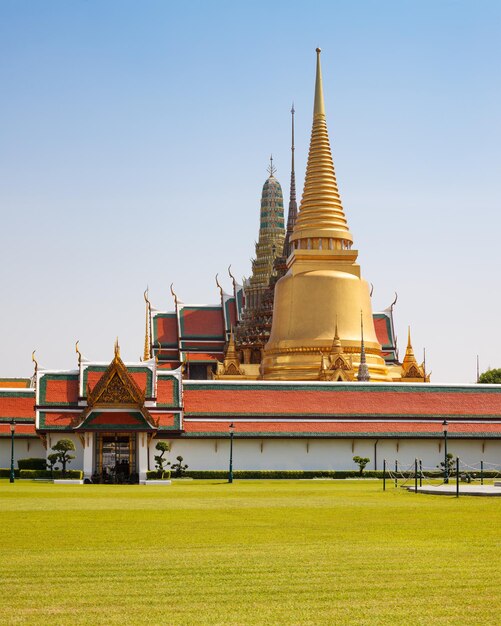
(232, 430)
(446, 460)
(12, 431)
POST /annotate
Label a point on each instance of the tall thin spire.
(147, 348)
(363, 370)
(321, 214)
(291, 218)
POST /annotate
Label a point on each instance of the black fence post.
(384, 474)
(415, 475)
(457, 477)
(396, 470)
(420, 472)
(481, 472)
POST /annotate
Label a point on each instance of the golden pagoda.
(323, 282)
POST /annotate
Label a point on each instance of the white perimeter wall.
(313, 454)
(24, 448)
(325, 454)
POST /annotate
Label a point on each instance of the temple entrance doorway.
(116, 458)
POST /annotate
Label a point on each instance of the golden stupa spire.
(147, 348)
(411, 370)
(321, 222)
(336, 344)
(409, 352)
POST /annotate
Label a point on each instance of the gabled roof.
(116, 389)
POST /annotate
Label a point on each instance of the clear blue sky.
(134, 142)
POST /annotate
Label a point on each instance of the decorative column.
(88, 455)
(142, 455)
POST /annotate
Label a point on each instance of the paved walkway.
(464, 490)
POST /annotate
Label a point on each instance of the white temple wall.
(322, 454)
(24, 448)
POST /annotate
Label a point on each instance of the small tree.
(52, 459)
(451, 469)
(178, 468)
(62, 449)
(160, 462)
(361, 461)
(490, 377)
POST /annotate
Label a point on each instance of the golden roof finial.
(79, 353)
(174, 295)
(219, 286)
(35, 362)
(147, 347)
(117, 349)
(321, 213)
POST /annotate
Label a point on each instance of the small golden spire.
(231, 351)
(77, 350)
(336, 344)
(409, 352)
(147, 348)
(117, 349)
(321, 214)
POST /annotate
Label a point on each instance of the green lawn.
(255, 552)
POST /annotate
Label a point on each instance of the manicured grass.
(255, 552)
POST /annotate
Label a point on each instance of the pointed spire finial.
(321, 215)
(77, 350)
(117, 349)
(35, 362)
(173, 294)
(271, 168)
(292, 215)
(319, 108)
(147, 346)
(363, 369)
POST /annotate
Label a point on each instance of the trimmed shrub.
(305, 474)
(5, 472)
(32, 464)
(158, 475)
(32, 474)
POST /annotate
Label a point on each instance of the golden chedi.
(323, 282)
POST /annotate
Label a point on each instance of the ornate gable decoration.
(116, 386)
(116, 389)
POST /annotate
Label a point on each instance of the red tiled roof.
(201, 356)
(369, 400)
(21, 429)
(18, 405)
(165, 390)
(60, 389)
(381, 330)
(164, 419)
(58, 420)
(166, 329)
(202, 322)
